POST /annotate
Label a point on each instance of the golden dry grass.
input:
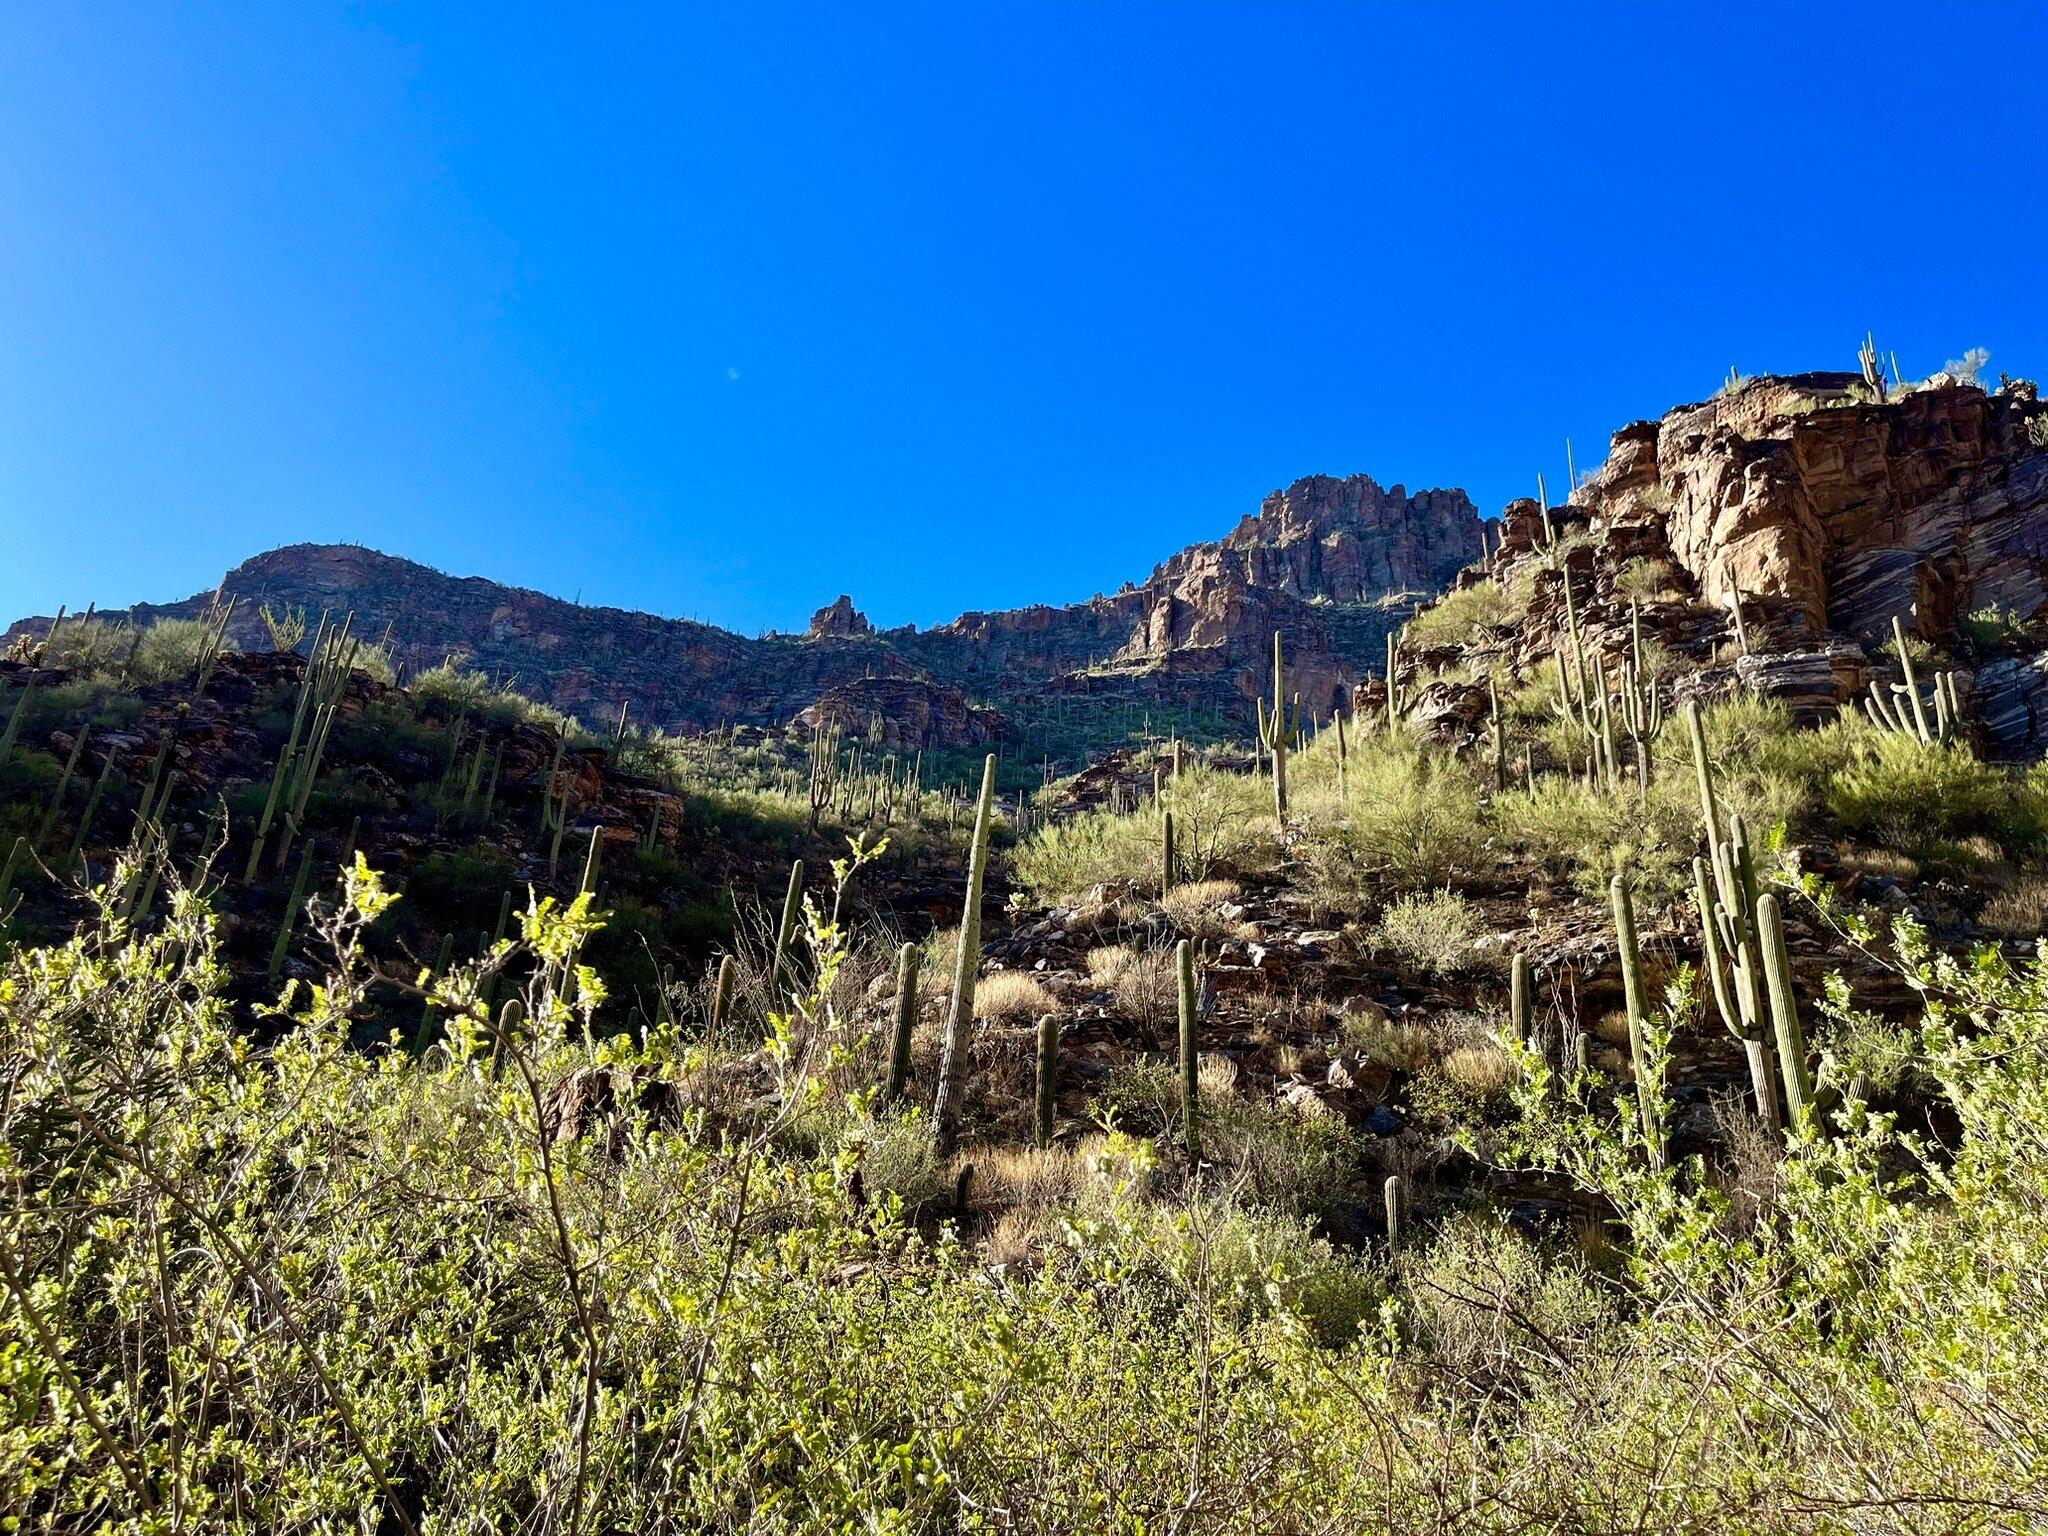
(1140, 980)
(1011, 997)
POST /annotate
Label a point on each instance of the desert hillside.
(1399, 1022)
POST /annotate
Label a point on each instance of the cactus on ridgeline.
(1872, 365)
(966, 971)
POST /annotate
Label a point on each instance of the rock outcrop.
(839, 620)
(903, 714)
(1928, 505)
(1822, 512)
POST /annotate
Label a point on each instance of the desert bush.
(416, 1293)
(1223, 825)
(1142, 981)
(170, 650)
(89, 646)
(1434, 933)
(1907, 795)
(1465, 615)
(1192, 909)
(1412, 817)
(1646, 580)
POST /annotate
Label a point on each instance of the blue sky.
(721, 310)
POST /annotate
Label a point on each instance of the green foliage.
(1992, 629)
(171, 650)
(408, 1293)
(457, 689)
(1433, 932)
(1223, 824)
(1908, 795)
(1466, 615)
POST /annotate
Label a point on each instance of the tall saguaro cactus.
(966, 971)
(906, 1021)
(785, 929)
(1190, 1046)
(1726, 891)
(1275, 732)
(1634, 994)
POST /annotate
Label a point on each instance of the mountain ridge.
(1334, 561)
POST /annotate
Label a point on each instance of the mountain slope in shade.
(1332, 563)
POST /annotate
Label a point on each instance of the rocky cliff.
(1332, 563)
(1822, 512)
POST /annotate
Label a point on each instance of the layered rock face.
(1928, 505)
(1823, 513)
(1331, 563)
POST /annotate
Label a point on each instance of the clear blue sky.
(718, 310)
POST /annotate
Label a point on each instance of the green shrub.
(1413, 817)
(1905, 795)
(1434, 933)
(170, 650)
(1463, 616)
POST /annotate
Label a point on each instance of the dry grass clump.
(1011, 997)
(1482, 1068)
(1403, 1047)
(1880, 862)
(1193, 909)
(2020, 911)
(1141, 981)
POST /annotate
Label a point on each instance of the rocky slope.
(1327, 560)
(1822, 513)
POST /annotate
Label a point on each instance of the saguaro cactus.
(785, 930)
(1520, 1009)
(1190, 1047)
(906, 1020)
(1392, 1193)
(721, 994)
(1275, 733)
(1904, 711)
(1048, 1076)
(1636, 1001)
(966, 970)
(1726, 892)
(1801, 1102)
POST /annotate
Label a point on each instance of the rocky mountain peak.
(1342, 540)
(839, 620)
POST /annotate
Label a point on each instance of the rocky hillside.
(1330, 561)
(1815, 512)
